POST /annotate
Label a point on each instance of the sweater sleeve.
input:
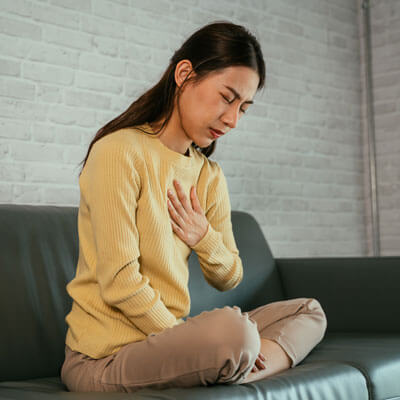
(113, 185)
(217, 251)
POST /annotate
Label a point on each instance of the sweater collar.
(171, 155)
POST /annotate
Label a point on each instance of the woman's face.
(213, 103)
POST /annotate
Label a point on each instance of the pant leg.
(298, 325)
(200, 352)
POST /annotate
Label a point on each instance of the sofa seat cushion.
(375, 355)
(317, 381)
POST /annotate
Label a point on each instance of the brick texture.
(296, 160)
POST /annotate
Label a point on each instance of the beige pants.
(218, 346)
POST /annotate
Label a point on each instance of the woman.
(126, 329)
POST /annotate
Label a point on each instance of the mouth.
(216, 134)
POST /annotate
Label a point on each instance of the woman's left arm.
(216, 250)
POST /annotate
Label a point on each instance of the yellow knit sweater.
(132, 274)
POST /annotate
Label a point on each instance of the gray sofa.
(359, 357)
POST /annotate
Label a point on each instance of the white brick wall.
(385, 27)
(294, 161)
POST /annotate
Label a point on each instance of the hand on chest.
(188, 219)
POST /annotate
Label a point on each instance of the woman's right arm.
(113, 187)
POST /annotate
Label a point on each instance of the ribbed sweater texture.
(132, 274)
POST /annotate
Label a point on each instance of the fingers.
(259, 364)
(173, 211)
(183, 203)
(176, 206)
(177, 229)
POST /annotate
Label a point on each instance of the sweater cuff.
(157, 319)
(209, 243)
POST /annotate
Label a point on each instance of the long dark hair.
(213, 47)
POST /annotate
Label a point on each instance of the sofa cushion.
(317, 381)
(375, 355)
(337, 368)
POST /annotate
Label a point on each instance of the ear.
(182, 70)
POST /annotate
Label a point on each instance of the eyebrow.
(238, 95)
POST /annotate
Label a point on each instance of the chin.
(204, 142)
(207, 143)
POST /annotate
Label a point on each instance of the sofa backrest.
(38, 257)
(38, 252)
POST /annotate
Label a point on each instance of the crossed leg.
(288, 331)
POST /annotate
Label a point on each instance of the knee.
(315, 308)
(235, 330)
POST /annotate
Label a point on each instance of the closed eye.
(229, 102)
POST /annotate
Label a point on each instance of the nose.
(231, 117)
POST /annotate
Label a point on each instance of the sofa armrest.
(358, 294)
